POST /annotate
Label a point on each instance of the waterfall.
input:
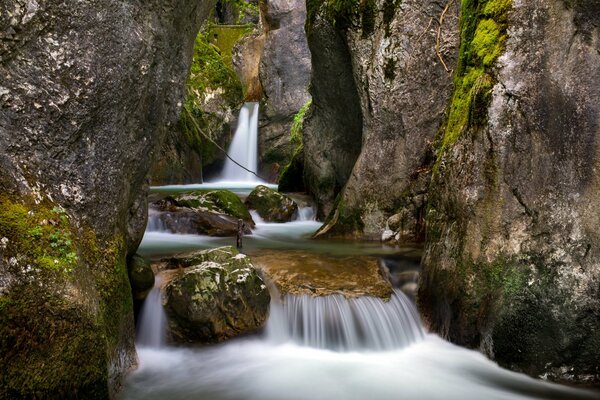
(153, 320)
(244, 147)
(336, 323)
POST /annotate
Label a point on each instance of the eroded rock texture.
(86, 91)
(512, 261)
(380, 86)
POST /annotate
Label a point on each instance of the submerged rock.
(271, 205)
(217, 295)
(301, 272)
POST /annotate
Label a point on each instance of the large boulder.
(87, 90)
(212, 213)
(381, 83)
(512, 261)
(217, 201)
(271, 205)
(219, 296)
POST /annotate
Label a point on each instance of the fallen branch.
(439, 36)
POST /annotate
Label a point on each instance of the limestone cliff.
(381, 82)
(86, 91)
(512, 259)
(275, 68)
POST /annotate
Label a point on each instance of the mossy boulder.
(217, 201)
(218, 297)
(202, 214)
(271, 205)
(141, 276)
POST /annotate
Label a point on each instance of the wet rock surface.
(301, 272)
(213, 213)
(214, 295)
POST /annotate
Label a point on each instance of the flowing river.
(328, 347)
(321, 347)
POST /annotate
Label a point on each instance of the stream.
(360, 348)
(327, 347)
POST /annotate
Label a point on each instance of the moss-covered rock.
(141, 276)
(54, 306)
(219, 296)
(271, 205)
(216, 201)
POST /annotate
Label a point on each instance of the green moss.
(296, 130)
(69, 295)
(483, 37)
(338, 12)
(224, 37)
(40, 235)
(220, 201)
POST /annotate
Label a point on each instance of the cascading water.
(153, 320)
(244, 147)
(336, 323)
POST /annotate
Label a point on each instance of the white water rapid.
(244, 147)
(340, 324)
(152, 320)
(296, 360)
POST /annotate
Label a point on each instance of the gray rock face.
(399, 57)
(86, 91)
(213, 300)
(512, 263)
(284, 74)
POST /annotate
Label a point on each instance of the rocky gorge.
(460, 131)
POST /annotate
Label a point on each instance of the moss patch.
(483, 27)
(67, 295)
(219, 201)
(39, 235)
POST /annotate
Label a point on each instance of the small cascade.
(155, 223)
(244, 147)
(307, 213)
(153, 320)
(337, 323)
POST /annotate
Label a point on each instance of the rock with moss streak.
(212, 213)
(86, 91)
(217, 295)
(271, 205)
(380, 90)
(512, 262)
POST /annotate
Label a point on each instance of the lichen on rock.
(217, 295)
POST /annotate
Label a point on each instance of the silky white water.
(243, 147)
(320, 348)
(152, 320)
(296, 359)
(340, 324)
